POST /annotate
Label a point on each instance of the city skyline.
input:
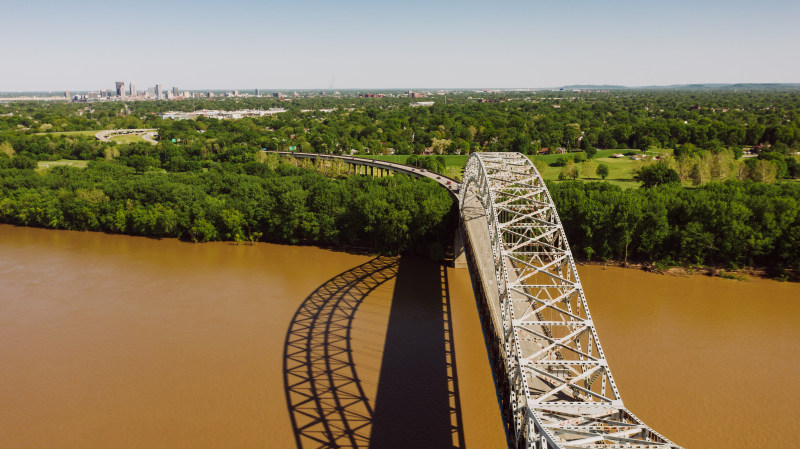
(381, 45)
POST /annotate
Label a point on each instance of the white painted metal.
(562, 392)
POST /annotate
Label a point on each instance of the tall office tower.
(133, 89)
(159, 92)
(258, 92)
(174, 91)
(66, 94)
(120, 88)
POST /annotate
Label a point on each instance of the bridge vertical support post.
(459, 254)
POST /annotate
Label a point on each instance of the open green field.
(128, 138)
(68, 162)
(620, 170)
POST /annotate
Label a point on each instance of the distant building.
(258, 92)
(120, 88)
(277, 95)
(421, 103)
(221, 114)
(174, 91)
(133, 89)
(66, 94)
(159, 91)
(235, 93)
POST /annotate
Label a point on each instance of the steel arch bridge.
(558, 388)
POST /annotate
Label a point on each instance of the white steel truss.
(562, 392)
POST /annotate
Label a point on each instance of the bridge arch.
(558, 389)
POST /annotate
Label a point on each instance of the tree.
(588, 169)
(561, 161)
(764, 171)
(656, 174)
(602, 171)
(440, 145)
(7, 149)
(570, 170)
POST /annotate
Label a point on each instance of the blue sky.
(56, 45)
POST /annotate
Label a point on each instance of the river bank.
(743, 274)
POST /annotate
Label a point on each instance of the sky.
(378, 44)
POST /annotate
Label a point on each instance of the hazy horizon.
(357, 44)
(269, 90)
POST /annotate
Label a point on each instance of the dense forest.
(718, 191)
(247, 202)
(733, 224)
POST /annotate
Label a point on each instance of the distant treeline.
(732, 224)
(521, 121)
(237, 202)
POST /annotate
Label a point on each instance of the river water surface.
(127, 342)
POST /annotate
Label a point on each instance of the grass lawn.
(620, 170)
(43, 165)
(128, 138)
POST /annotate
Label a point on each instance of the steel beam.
(561, 391)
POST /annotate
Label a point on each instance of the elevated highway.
(552, 377)
(375, 167)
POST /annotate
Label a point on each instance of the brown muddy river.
(126, 342)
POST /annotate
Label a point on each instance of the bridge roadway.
(555, 386)
(448, 183)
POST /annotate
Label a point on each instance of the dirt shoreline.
(743, 274)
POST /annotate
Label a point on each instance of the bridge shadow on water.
(417, 403)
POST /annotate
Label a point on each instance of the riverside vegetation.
(208, 179)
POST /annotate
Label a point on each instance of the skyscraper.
(258, 92)
(120, 88)
(175, 91)
(159, 91)
(133, 89)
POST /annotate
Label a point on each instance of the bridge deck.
(450, 184)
